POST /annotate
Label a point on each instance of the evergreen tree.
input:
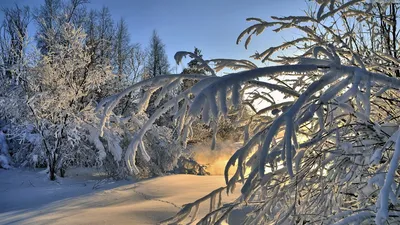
(194, 67)
(157, 60)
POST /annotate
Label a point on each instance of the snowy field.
(28, 197)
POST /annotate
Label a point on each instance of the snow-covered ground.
(28, 197)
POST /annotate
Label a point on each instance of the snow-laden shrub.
(23, 145)
(328, 152)
(114, 142)
(27, 146)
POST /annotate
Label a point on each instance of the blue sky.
(211, 25)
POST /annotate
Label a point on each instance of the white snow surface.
(84, 197)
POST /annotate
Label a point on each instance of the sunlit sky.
(211, 25)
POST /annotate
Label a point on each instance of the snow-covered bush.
(115, 140)
(23, 144)
(327, 154)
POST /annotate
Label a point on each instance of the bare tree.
(106, 32)
(121, 49)
(136, 62)
(13, 41)
(52, 15)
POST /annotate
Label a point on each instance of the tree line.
(107, 41)
(51, 83)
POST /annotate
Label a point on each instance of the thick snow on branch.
(308, 141)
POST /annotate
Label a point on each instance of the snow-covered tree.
(62, 97)
(194, 66)
(52, 15)
(327, 152)
(64, 78)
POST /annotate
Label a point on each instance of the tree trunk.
(52, 166)
(52, 171)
